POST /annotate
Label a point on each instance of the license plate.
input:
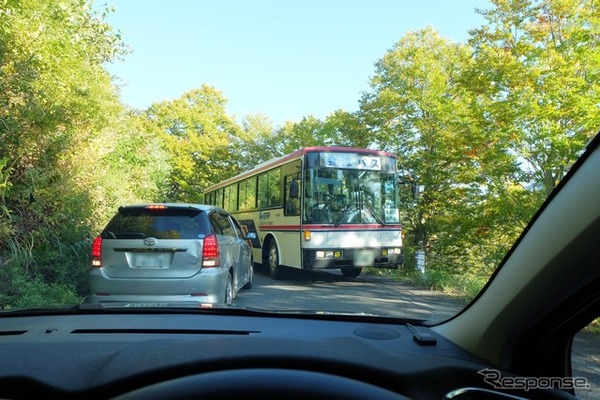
(150, 260)
(364, 258)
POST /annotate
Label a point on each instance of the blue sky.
(285, 59)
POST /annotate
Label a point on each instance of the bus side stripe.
(320, 228)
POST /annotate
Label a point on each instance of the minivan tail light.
(97, 253)
(210, 252)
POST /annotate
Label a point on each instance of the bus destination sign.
(351, 161)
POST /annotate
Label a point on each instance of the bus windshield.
(335, 195)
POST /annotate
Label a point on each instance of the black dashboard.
(106, 355)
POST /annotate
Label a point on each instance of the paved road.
(331, 291)
(585, 362)
(374, 294)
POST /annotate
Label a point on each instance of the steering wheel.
(262, 383)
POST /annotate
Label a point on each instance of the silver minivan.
(158, 254)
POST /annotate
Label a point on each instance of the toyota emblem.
(149, 241)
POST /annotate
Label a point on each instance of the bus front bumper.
(392, 257)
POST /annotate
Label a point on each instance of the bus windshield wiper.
(352, 207)
(375, 215)
(348, 208)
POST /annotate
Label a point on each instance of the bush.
(24, 282)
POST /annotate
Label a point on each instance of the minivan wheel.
(229, 290)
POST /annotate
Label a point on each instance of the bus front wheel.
(351, 272)
(275, 270)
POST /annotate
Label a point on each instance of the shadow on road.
(303, 276)
(330, 291)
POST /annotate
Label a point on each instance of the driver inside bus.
(320, 210)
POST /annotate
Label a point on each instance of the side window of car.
(221, 224)
(237, 228)
(226, 225)
(216, 224)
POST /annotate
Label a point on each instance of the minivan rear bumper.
(207, 286)
(154, 301)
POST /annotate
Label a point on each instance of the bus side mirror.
(414, 187)
(415, 190)
(293, 189)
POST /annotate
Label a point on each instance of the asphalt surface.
(331, 291)
(585, 362)
(375, 294)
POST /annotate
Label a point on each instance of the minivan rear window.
(169, 223)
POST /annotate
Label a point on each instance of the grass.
(22, 281)
(594, 326)
(463, 287)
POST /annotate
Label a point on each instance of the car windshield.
(363, 158)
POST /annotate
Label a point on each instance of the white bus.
(319, 208)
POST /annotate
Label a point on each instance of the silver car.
(158, 254)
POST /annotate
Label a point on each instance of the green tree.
(257, 141)
(342, 128)
(339, 128)
(489, 128)
(200, 140)
(261, 142)
(55, 97)
(418, 110)
(125, 164)
(305, 133)
(537, 75)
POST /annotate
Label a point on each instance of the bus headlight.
(324, 254)
(395, 250)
